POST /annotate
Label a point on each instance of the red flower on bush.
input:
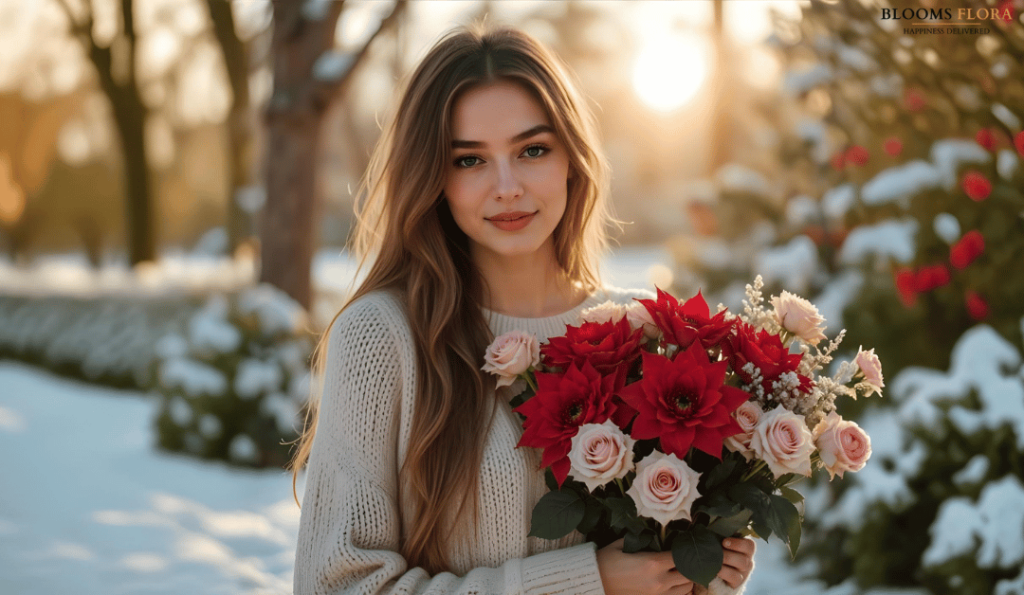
(682, 324)
(1005, 10)
(986, 139)
(683, 402)
(906, 284)
(562, 404)
(1018, 142)
(966, 249)
(610, 347)
(931, 277)
(976, 185)
(857, 155)
(767, 357)
(914, 100)
(977, 307)
(838, 161)
(893, 146)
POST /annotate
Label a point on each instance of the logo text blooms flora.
(963, 14)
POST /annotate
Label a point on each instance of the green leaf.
(728, 526)
(635, 543)
(791, 495)
(720, 473)
(549, 480)
(786, 479)
(623, 514)
(758, 502)
(557, 514)
(698, 554)
(591, 516)
(784, 520)
(718, 505)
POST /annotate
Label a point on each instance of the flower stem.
(622, 488)
(529, 381)
(753, 471)
(664, 528)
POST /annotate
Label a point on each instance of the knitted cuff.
(569, 570)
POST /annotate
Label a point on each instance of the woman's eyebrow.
(472, 144)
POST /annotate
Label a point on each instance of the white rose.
(842, 445)
(664, 488)
(606, 312)
(510, 355)
(871, 367)
(799, 316)
(747, 415)
(782, 440)
(639, 317)
(600, 453)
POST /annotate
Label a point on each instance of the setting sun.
(669, 70)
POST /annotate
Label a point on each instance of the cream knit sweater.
(351, 518)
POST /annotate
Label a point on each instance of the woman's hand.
(737, 561)
(642, 573)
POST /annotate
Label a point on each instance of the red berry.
(914, 100)
(931, 277)
(905, 285)
(986, 139)
(893, 146)
(1018, 141)
(857, 155)
(838, 162)
(977, 307)
(967, 249)
(976, 185)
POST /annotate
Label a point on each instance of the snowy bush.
(107, 339)
(941, 503)
(235, 379)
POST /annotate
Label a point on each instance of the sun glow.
(669, 70)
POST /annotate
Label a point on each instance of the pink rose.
(842, 445)
(782, 440)
(747, 415)
(871, 368)
(639, 317)
(664, 488)
(799, 316)
(607, 312)
(510, 355)
(600, 453)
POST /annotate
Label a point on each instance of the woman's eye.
(535, 150)
(462, 161)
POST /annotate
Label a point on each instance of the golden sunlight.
(669, 70)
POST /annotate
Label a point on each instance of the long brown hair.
(405, 226)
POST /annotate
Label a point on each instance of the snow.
(973, 472)
(801, 210)
(996, 521)
(840, 291)
(888, 239)
(800, 82)
(855, 58)
(792, 264)
(1007, 163)
(333, 65)
(277, 312)
(837, 201)
(1006, 116)
(733, 176)
(947, 227)
(900, 183)
(194, 378)
(950, 154)
(254, 377)
(209, 330)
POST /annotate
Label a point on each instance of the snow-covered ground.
(88, 505)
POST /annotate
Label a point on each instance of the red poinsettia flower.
(683, 402)
(682, 324)
(906, 283)
(857, 155)
(562, 404)
(977, 307)
(610, 347)
(931, 277)
(893, 146)
(761, 360)
(976, 185)
(966, 249)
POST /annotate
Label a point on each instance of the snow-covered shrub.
(941, 503)
(104, 339)
(235, 380)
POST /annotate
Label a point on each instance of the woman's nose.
(507, 185)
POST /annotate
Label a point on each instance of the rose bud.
(510, 355)
(842, 445)
(799, 316)
(870, 367)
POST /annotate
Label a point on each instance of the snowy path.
(87, 505)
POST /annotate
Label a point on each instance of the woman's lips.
(506, 223)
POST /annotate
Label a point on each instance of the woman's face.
(506, 182)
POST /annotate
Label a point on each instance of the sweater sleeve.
(350, 522)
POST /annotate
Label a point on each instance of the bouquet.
(675, 428)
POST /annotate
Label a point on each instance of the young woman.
(484, 212)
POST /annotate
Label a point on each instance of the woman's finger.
(731, 576)
(741, 562)
(742, 545)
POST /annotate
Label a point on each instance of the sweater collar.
(546, 327)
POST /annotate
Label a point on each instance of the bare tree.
(309, 74)
(116, 65)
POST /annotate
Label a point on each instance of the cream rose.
(842, 445)
(747, 415)
(664, 488)
(607, 312)
(799, 316)
(871, 367)
(510, 355)
(639, 317)
(782, 440)
(600, 453)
